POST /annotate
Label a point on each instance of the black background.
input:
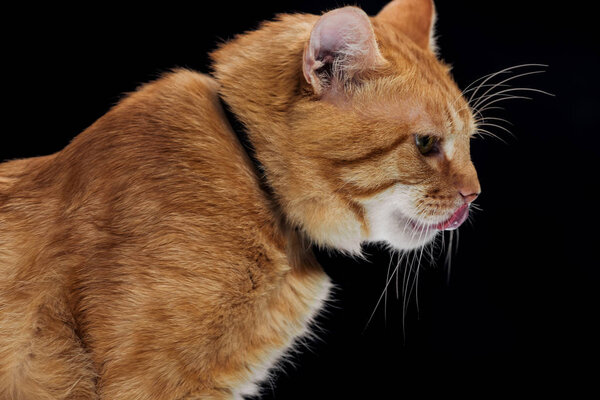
(520, 309)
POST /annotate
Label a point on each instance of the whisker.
(478, 112)
(398, 273)
(413, 260)
(449, 255)
(379, 300)
(403, 276)
(470, 220)
(476, 207)
(496, 126)
(505, 70)
(501, 92)
(407, 269)
(405, 291)
(483, 119)
(415, 284)
(470, 86)
(485, 108)
(385, 289)
(464, 92)
(504, 82)
(481, 131)
(489, 97)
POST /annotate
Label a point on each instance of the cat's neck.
(259, 79)
(242, 135)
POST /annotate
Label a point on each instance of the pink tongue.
(455, 220)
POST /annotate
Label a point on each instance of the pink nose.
(468, 197)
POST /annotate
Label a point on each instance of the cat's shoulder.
(180, 82)
(180, 111)
(177, 91)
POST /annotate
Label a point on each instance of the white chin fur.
(387, 215)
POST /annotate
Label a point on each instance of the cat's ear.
(341, 46)
(414, 18)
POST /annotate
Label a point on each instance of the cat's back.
(163, 163)
(170, 136)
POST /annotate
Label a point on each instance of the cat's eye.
(426, 144)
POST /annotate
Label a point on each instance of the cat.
(151, 258)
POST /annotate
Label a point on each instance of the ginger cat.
(146, 260)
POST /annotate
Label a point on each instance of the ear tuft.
(341, 46)
(414, 18)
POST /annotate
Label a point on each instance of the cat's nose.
(468, 184)
(469, 198)
(469, 194)
(469, 190)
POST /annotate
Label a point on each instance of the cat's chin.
(402, 233)
(399, 231)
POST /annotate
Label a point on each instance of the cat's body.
(145, 261)
(168, 274)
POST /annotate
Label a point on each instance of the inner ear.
(341, 46)
(325, 71)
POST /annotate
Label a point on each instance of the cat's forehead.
(418, 107)
(414, 89)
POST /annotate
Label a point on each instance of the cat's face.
(363, 134)
(390, 127)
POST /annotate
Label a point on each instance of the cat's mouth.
(455, 220)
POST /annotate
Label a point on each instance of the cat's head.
(371, 137)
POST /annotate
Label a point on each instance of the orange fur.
(144, 261)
